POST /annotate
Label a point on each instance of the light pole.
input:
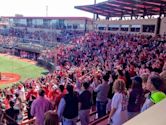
(46, 10)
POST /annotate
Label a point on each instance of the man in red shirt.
(31, 92)
(52, 94)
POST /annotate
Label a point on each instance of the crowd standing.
(42, 35)
(117, 74)
(7, 40)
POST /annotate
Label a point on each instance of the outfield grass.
(24, 69)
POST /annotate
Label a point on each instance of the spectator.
(61, 94)
(93, 85)
(21, 92)
(136, 97)
(52, 94)
(144, 85)
(102, 93)
(51, 118)
(39, 107)
(68, 107)
(163, 77)
(153, 85)
(110, 94)
(128, 79)
(31, 92)
(1, 117)
(144, 81)
(121, 75)
(12, 113)
(19, 105)
(32, 98)
(7, 101)
(118, 114)
(85, 102)
(1, 114)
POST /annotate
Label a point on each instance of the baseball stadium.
(108, 68)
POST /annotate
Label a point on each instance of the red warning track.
(6, 78)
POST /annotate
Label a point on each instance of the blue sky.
(38, 7)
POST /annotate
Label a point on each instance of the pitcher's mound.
(9, 77)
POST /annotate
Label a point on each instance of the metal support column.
(159, 22)
(85, 26)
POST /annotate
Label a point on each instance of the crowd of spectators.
(7, 40)
(119, 74)
(43, 35)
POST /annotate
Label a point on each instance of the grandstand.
(101, 71)
(58, 23)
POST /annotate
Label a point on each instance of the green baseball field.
(14, 70)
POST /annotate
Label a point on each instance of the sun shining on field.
(15, 70)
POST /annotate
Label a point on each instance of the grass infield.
(24, 69)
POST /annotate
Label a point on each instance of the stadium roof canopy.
(119, 8)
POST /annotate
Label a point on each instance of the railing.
(155, 115)
(32, 121)
(92, 116)
(98, 121)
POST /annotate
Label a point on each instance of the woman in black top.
(136, 97)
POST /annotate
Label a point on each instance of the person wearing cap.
(154, 84)
(39, 107)
(136, 97)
